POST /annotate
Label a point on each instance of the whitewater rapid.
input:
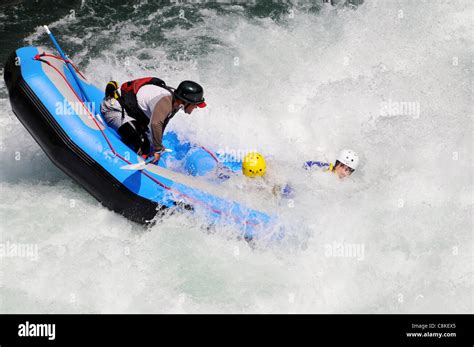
(390, 79)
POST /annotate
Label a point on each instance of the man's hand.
(157, 156)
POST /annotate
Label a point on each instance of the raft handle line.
(210, 153)
(44, 54)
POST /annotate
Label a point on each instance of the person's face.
(190, 108)
(342, 171)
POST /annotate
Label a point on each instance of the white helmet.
(349, 158)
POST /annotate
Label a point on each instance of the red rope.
(210, 153)
(37, 57)
(44, 54)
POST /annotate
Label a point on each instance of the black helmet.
(190, 92)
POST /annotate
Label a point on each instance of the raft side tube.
(70, 158)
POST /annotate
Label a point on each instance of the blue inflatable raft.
(47, 99)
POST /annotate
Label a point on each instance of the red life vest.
(129, 101)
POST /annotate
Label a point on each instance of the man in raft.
(142, 109)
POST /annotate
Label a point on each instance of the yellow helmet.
(254, 165)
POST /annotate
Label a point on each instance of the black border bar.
(315, 330)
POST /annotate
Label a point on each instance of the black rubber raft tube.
(70, 158)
